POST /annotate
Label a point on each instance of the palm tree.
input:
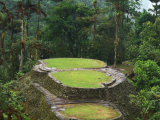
(156, 7)
(23, 7)
(38, 9)
(14, 28)
(5, 19)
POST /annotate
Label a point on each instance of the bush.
(11, 100)
(148, 74)
(148, 52)
(132, 51)
(148, 101)
(19, 74)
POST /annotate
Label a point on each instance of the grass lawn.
(126, 67)
(131, 63)
(82, 78)
(69, 63)
(90, 111)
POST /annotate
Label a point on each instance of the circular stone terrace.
(77, 79)
(72, 63)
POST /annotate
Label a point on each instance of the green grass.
(82, 78)
(126, 67)
(134, 84)
(124, 72)
(90, 111)
(69, 63)
(131, 63)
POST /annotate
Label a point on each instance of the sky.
(146, 4)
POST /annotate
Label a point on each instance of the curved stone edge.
(83, 93)
(106, 84)
(68, 92)
(120, 77)
(73, 68)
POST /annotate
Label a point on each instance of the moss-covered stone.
(119, 96)
(37, 107)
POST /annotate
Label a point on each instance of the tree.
(38, 10)
(148, 74)
(119, 6)
(148, 101)
(5, 20)
(156, 7)
(135, 16)
(14, 28)
(65, 26)
(94, 4)
(10, 100)
(22, 7)
(151, 33)
(116, 5)
(141, 18)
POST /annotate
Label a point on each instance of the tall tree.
(14, 27)
(116, 4)
(156, 7)
(21, 9)
(94, 4)
(4, 21)
(24, 8)
(38, 9)
(66, 26)
(120, 9)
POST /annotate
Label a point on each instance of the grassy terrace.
(70, 63)
(82, 78)
(131, 63)
(90, 111)
(128, 68)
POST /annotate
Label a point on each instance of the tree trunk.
(1, 115)
(2, 45)
(122, 25)
(21, 61)
(27, 27)
(115, 46)
(94, 32)
(2, 42)
(145, 116)
(37, 34)
(156, 9)
(94, 4)
(12, 59)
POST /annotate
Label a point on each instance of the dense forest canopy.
(109, 30)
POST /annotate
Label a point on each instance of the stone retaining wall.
(117, 92)
(67, 92)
